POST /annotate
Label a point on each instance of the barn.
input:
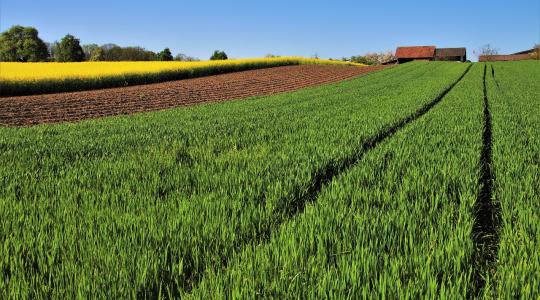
(410, 53)
(530, 51)
(509, 57)
(406, 54)
(451, 54)
(523, 55)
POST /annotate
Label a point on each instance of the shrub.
(219, 55)
(165, 55)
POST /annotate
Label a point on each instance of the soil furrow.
(76, 106)
(486, 210)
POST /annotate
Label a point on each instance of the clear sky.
(255, 28)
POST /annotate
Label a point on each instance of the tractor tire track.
(485, 232)
(302, 196)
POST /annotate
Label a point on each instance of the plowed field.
(76, 106)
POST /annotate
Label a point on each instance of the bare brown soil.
(76, 106)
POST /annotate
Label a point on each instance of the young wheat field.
(416, 181)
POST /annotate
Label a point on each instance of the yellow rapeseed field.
(10, 71)
(38, 78)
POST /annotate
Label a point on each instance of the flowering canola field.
(38, 78)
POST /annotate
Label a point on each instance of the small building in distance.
(523, 55)
(407, 54)
(530, 51)
(411, 53)
(451, 54)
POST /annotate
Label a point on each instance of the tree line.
(23, 44)
(372, 58)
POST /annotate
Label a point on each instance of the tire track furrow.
(486, 210)
(323, 177)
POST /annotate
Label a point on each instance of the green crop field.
(420, 180)
(514, 90)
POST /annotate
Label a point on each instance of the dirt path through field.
(76, 106)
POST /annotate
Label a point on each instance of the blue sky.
(256, 28)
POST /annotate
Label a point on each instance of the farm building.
(530, 51)
(523, 55)
(406, 54)
(502, 57)
(451, 54)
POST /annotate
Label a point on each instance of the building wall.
(405, 60)
(451, 58)
(515, 57)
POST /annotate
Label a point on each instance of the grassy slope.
(146, 203)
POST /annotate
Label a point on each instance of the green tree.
(22, 44)
(219, 55)
(97, 55)
(183, 57)
(137, 54)
(165, 55)
(89, 50)
(69, 50)
(113, 52)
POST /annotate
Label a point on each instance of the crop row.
(146, 205)
(397, 225)
(40, 78)
(513, 93)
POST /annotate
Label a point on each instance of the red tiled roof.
(416, 52)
